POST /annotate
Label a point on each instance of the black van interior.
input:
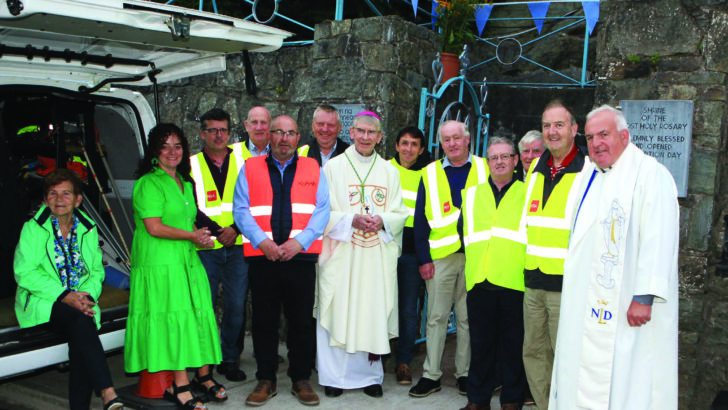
(42, 128)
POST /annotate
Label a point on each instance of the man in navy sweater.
(438, 228)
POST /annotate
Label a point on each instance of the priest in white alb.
(357, 276)
(617, 338)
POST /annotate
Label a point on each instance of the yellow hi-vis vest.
(303, 150)
(548, 226)
(240, 149)
(495, 247)
(410, 181)
(442, 215)
(218, 209)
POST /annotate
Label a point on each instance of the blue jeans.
(227, 266)
(410, 285)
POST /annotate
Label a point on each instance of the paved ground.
(46, 390)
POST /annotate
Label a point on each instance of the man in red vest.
(281, 204)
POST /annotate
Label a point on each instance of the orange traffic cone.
(153, 385)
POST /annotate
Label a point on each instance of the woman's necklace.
(362, 181)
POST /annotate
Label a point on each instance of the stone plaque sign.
(347, 112)
(663, 129)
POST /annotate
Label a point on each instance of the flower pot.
(450, 66)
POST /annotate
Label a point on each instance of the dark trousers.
(89, 370)
(291, 284)
(496, 343)
(409, 285)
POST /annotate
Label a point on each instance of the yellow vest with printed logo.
(442, 215)
(209, 201)
(410, 181)
(495, 245)
(548, 226)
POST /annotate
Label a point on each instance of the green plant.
(455, 21)
(655, 58)
(634, 59)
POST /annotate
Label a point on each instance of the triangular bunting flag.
(591, 12)
(434, 13)
(482, 12)
(414, 6)
(538, 12)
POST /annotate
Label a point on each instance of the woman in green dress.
(171, 323)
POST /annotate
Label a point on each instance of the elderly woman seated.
(59, 273)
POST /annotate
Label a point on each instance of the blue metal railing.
(582, 81)
(467, 107)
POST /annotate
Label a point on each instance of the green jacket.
(39, 284)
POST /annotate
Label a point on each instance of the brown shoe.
(404, 376)
(510, 406)
(264, 391)
(473, 406)
(303, 390)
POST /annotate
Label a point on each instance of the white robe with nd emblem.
(357, 275)
(627, 367)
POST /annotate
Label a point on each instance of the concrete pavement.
(47, 390)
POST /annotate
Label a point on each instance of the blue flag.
(538, 12)
(591, 12)
(434, 14)
(482, 12)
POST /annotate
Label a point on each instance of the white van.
(59, 62)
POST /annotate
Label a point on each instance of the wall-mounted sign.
(347, 112)
(663, 129)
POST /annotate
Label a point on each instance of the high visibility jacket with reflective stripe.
(410, 181)
(303, 150)
(548, 226)
(495, 247)
(209, 201)
(442, 215)
(303, 199)
(241, 148)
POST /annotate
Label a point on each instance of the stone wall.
(675, 49)
(379, 62)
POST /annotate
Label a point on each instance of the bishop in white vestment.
(357, 277)
(617, 338)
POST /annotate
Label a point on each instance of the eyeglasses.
(502, 157)
(214, 131)
(289, 133)
(368, 133)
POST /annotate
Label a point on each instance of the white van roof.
(69, 43)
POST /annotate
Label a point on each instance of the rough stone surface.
(708, 123)
(381, 62)
(702, 172)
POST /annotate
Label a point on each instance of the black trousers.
(496, 344)
(89, 370)
(291, 284)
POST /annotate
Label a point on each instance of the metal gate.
(438, 106)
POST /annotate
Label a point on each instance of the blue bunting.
(591, 12)
(482, 13)
(538, 12)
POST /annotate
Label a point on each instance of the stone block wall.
(675, 49)
(380, 62)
